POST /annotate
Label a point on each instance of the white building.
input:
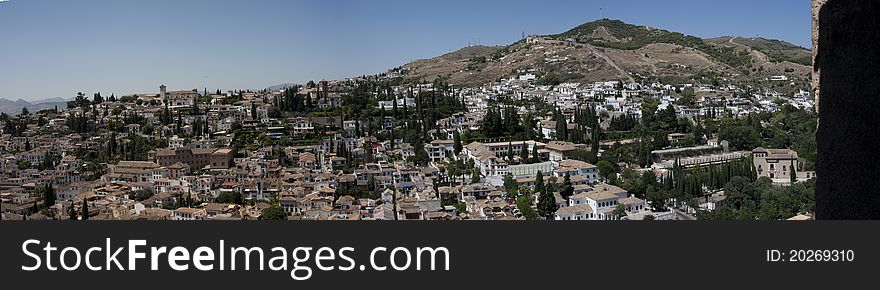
(599, 203)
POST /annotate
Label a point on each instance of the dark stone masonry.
(848, 58)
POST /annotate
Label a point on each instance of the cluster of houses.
(198, 174)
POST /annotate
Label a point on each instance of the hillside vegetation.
(629, 37)
(614, 50)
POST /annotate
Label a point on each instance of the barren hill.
(614, 50)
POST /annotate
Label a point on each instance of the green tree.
(539, 182)
(97, 98)
(605, 169)
(179, 127)
(687, 96)
(646, 181)
(510, 186)
(71, 212)
(85, 210)
(561, 125)
(740, 137)
(229, 197)
(166, 115)
(547, 204)
(524, 153)
(48, 195)
(273, 213)
(594, 143)
(475, 175)
(619, 211)
(567, 188)
(659, 140)
(143, 194)
(460, 207)
(657, 199)
(524, 205)
(536, 157)
(793, 173)
(371, 183)
(457, 147)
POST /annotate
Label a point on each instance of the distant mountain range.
(613, 50)
(281, 86)
(14, 107)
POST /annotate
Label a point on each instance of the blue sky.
(57, 48)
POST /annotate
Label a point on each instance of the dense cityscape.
(537, 144)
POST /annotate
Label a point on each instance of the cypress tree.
(509, 151)
(475, 175)
(48, 195)
(539, 182)
(166, 115)
(594, 143)
(524, 153)
(567, 188)
(546, 202)
(72, 212)
(457, 146)
(180, 122)
(405, 113)
(535, 157)
(712, 176)
(85, 210)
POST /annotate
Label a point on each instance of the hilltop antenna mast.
(601, 13)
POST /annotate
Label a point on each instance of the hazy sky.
(52, 48)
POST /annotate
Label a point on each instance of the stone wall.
(847, 53)
(817, 5)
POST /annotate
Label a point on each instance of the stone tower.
(847, 73)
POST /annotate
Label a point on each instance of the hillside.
(775, 50)
(612, 50)
(462, 66)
